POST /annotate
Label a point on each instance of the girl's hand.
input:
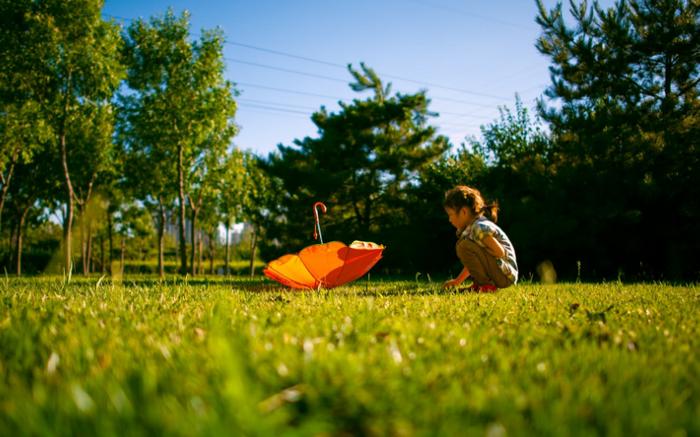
(451, 283)
(464, 274)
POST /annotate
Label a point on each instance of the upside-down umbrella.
(324, 265)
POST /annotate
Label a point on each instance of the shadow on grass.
(383, 287)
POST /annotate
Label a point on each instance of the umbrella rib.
(279, 273)
(342, 267)
(309, 270)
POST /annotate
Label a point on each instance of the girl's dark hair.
(468, 197)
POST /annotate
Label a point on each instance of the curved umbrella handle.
(317, 228)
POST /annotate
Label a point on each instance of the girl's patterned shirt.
(482, 227)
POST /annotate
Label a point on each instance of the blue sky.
(288, 57)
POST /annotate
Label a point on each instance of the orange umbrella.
(324, 265)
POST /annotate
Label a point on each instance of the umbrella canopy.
(324, 265)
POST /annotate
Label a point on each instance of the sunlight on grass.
(215, 356)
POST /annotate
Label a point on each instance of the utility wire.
(264, 102)
(271, 108)
(286, 70)
(285, 90)
(304, 93)
(332, 64)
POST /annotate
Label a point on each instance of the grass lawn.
(219, 357)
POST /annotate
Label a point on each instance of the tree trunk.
(161, 240)
(89, 249)
(6, 182)
(228, 254)
(11, 243)
(193, 237)
(68, 223)
(181, 196)
(83, 239)
(253, 245)
(200, 251)
(110, 236)
(121, 256)
(211, 252)
(102, 254)
(18, 252)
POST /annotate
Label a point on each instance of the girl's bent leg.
(481, 264)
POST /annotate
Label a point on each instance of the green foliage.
(232, 187)
(521, 176)
(361, 164)
(377, 358)
(425, 242)
(626, 125)
(178, 111)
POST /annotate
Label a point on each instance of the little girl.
(483, 248)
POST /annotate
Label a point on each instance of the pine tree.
(626, 123)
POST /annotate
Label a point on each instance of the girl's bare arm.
(493, 246)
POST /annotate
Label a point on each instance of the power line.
(263, 102)
(271, 108)
(334, 79)
(289, 55)
(337, 65)
(286, 70)
(305, 93)
(461, 115)
(391, 76)
(283, 90)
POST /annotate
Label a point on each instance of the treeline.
(601, 183)
(118, 132)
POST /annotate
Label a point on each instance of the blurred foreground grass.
(229, 357)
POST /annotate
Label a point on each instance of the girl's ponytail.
(491, 211)
(463, 196)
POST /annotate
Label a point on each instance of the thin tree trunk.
(6, 182)
(20, 228)
(211, 253)
(83, 239)
(161, 240)
(102, 254)
(70, 206)
(181, 197)
(89, 249)
(228, 254)
(253, 246)
(110, 236)
(121, 256)
(18, 251)
(12, 243)
(200, 251)
(193, 237)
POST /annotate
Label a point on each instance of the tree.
(132, 223)
(426, 237)
(232, 195)
(149, 174)
(178, 85)
(520, 176)
(29, 198)
(22, 133)
(203, 190)
(91, 128)
(23, 130)
(70, 61)
(625, 82)
(260, 205)
(361, 163)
